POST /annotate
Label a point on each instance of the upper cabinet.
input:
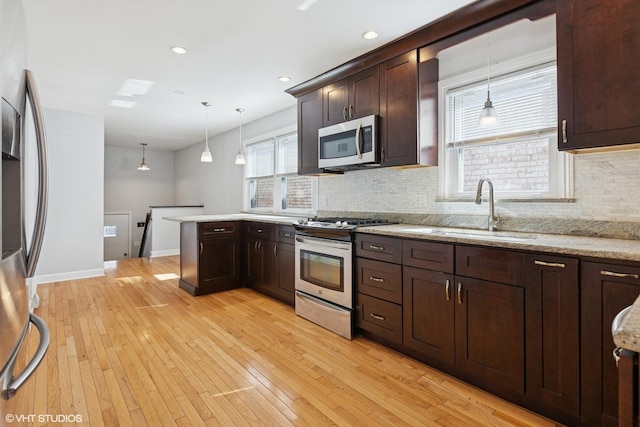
(351, 98)
(598, 73)
(309, 121)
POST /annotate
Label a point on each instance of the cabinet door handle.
(201, 248)
(459, 292)
(376, 316)
(344, 113)
(376, 279)
(275, 251)
(351, 111)
(564, 131)
(376, 247)
(382, 155)
(550, 264)
(219, 230)
(623, 275)
(447, 290)
(255, 246)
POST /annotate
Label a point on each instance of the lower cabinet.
(285, 255)
(553, 335)
(428, 308)
(606, 289)
(210, 257)
(270, 260)
(260, 256)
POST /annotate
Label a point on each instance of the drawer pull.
(287, 234)
(614, 274)
(459, 292)
(447, 290)
(219, 230)
(376, 247)
(376, 279)
(259, 230)
(550, 264)
(376, 316)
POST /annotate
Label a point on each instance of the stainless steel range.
(324, 271)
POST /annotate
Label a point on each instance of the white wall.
(72, 245)
(218, 185)
(126, 189)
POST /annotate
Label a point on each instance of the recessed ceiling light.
(122, 104)
(284, 78)
(179, 50)
(370, 35)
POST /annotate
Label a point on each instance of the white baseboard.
(60, 277)
(167, 252)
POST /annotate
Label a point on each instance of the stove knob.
(338, 223)
(345, 224)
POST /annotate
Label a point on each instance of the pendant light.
(143, 166)
(206, 154)
(240, 158)
(488, 115)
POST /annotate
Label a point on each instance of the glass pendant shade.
(143, 166)
(488, 115)
(206, 156)
(240, 157)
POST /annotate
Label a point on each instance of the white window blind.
(525, 102)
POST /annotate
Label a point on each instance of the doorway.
(116, 236)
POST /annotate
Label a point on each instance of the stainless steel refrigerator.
(23, 209)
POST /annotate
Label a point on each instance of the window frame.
(276, 205)
(449, 174)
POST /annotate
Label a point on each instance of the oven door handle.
(324, 242)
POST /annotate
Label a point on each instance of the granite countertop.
(597, 247)
(628, 333)
(288, 220)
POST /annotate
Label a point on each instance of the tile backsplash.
(606, 190)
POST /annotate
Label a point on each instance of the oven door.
(324, 269)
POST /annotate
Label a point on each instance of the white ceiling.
(82, 51)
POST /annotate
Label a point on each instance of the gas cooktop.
(339, 223)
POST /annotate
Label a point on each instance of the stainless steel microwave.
(349, 144)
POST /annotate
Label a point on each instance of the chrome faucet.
(493, 219)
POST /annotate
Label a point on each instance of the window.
(520, 154)
(272, 182)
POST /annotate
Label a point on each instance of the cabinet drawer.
(496, 265)
(382, 248)
(262, 230)
(211, 229)
(285, 234)
(428, 255)
(379, 279)
(379, 317)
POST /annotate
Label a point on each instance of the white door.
(116, 236)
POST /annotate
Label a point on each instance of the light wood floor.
(131, 349)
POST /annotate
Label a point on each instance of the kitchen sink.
(503, 236)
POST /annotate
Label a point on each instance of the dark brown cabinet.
(428, 310)
(553, 334)
(378, 286)
(598, 73)
(309, 121)
(285, 263)
(399, 110)
(260, 255)
(489, 317)
(210, 257)
(351, 98)
(605, 290)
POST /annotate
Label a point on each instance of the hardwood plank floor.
(132, 349)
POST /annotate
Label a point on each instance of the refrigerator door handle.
(11, 383)
(33, 252)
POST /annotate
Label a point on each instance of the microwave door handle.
(358, 151)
